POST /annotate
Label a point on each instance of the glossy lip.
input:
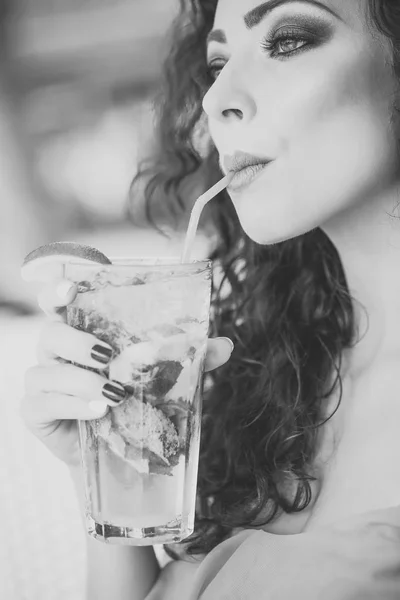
(245, 176)
(246, 168)
(240, 160)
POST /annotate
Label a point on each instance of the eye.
(282, 44)
(214, 68)
(288, 43)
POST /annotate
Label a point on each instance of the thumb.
(55, 296)
(219, 351)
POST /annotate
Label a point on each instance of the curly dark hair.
(286, 306)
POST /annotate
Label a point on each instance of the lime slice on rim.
(46, 262)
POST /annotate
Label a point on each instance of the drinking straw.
(196, 212)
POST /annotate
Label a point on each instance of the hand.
(58, 394)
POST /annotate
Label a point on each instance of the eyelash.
(287, 35)
(270, 43)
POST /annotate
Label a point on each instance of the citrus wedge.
(46, 262)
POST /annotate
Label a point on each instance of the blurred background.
(77, 79)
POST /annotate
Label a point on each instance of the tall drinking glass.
(140, 460)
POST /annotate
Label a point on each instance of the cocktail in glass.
(140, 460)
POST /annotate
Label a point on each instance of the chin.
(259, 235)
(263, 234)
(277, 221)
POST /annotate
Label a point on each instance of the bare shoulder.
(175, 581)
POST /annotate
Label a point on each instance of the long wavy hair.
(286, 306)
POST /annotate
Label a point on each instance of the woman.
(300, 431)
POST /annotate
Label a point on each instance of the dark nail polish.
(114, 391)
(101, 353)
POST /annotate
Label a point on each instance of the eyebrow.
(256, 15)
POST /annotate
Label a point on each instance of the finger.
(58, 340)
(42, 409)
(73, 381)
(55, 296)
(219, 351)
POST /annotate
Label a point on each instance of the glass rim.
(143, 262)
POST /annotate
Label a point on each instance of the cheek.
(319, 179)
(338, 109)
(331, 136)
(334, 166)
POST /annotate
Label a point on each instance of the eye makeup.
(301, 19)
(309, 26)
(308, 23)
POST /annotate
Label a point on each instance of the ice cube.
(122, 367)
(174, 347)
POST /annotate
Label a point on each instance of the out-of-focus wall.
(85, 72)
(76, 81)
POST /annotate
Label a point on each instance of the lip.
(245, 176)
(239, 160)
(246, 168)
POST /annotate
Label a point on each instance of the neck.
(367, 238)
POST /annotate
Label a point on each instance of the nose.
(229, 99)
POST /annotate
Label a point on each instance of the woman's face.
(308, 86)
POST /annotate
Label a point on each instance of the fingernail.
(114, 391)
(98, 407)
(101, 354)
(64, 288)
(232, 345)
